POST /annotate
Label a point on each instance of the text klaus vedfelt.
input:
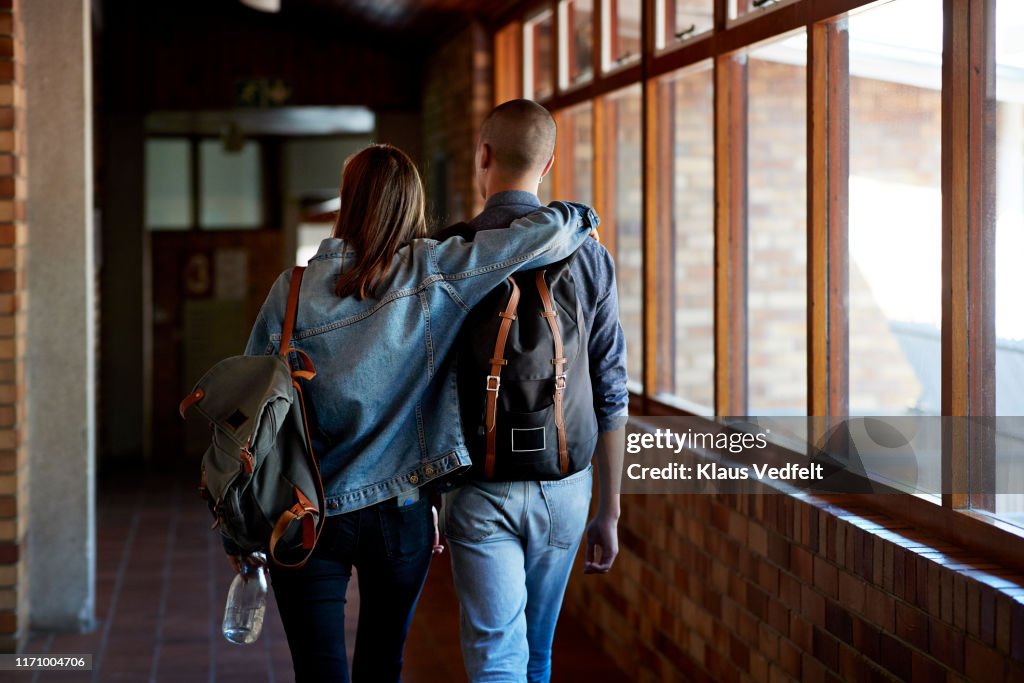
(668, 440)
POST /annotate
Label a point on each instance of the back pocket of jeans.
(472, 512)
(409, 530)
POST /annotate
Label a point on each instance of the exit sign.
(262, 92)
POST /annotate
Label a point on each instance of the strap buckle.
(560, 382)
(496, 383)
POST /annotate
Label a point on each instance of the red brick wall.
(456, 98)
(13, 465)
(771, 588)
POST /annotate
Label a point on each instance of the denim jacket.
(384, 414)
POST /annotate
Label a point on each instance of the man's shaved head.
(521, 136)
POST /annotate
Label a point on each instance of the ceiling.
(417, 19)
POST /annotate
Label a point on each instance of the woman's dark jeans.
(391, 549)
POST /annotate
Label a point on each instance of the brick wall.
(769, 587)
(456, 98)
(13, 465)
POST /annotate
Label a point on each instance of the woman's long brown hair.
(381, 210)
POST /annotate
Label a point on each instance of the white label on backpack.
(528, 437)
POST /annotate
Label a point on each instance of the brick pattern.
(457, 95)
(769, 587)
(13, 302)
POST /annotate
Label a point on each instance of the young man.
(513, 543)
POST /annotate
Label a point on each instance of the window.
(226, 193)
(168, 184)
(623, 22)
(230, 186)
(777, 228)
(686, 238)
(623, 215)
(895, 216)
(830, 199)
(577, 40)
(681, 20)
(538, 49)
(574, 154)
(1009, 245)
(739, 8)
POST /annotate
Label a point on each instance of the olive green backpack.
(260, 476)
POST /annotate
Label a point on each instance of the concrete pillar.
(61, 339)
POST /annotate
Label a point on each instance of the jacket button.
(333, 505)
(429, 470)
(414, 478)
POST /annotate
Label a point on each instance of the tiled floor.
(161, 581)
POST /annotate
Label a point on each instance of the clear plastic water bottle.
(247, 601)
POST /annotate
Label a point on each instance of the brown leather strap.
(291, 310)
(551, 315)
(190, 400)
(303, 508)
(493, 382)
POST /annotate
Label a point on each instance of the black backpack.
(525, 393)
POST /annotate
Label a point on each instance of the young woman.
(379, 309)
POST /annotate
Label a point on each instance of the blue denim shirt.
(384, 406)
(594, 272)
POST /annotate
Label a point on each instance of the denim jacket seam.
(455, 297)
(492, 267)
(391, 297)
(425, 305)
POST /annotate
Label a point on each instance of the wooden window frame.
(968, 308)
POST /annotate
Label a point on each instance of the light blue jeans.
(512, 550)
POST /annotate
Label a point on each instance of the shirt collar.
(510, 197)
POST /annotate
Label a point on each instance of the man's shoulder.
(593, 262)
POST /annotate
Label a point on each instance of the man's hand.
(602, 544)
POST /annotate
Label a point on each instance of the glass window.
(738, 8)
(777, 228)
(622, 45)
(681, 20)
(577, 46)
(685, 186)
(895, 209)
(623, 215)
(231, 186)
(538, 52)
(574, 154)
(1009, 245)
(168, 184)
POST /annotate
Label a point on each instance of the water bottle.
(247, 601)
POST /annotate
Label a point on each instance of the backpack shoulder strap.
(291, 313)
(292, 310)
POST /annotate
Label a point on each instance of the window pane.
(577, 57)
(231, 192)
(621, 222)
(681, 20)
(895, 214)
(1009, 276)
(623, 45)
(168, 185)
(686, 212)
(574, 156)
(738, 8)
(777, 228)
(538, 52)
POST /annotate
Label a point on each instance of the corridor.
(161, 584)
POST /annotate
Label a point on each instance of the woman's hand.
(438, 548)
